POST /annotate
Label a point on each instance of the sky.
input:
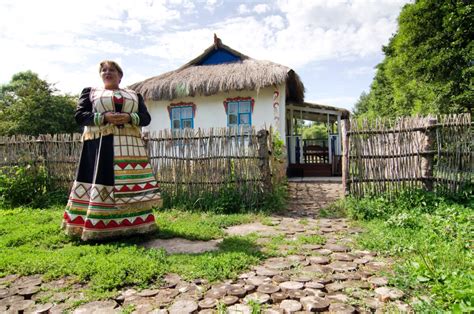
(334, 45)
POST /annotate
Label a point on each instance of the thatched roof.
(193, 79)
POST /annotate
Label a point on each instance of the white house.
(224, 88)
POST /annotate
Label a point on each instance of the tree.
(429, 63)
(315, 131)
(29, 105)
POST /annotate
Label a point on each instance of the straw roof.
(193, 79)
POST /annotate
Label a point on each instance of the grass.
(431, 237)
(31, 242)
(198, 225)
(334, 210)
(273, 247)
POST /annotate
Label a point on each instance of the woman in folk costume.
(115, 188)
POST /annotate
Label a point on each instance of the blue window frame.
(182, 117)
(239, 113)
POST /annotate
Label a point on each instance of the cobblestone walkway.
(331, 277)
(307, 198)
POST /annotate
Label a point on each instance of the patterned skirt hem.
(91, 235)
(157, 202)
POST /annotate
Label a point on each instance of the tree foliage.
(429, 63)
(315, 131)
(29, 105)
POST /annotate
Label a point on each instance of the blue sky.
(333, 45)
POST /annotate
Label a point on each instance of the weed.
(304, 221)
(128, 309)
(221, 308)
(28, 185)
(228, 200)
(255, 307)
(311, 239)
(266, 221)
(334, 210)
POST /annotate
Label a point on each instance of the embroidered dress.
(115, 187)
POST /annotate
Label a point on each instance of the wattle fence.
(379, 156)
(192, 162)
(388, 156)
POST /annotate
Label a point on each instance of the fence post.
(264, 161)
(42, 158)
(346, 125)
(427, 158)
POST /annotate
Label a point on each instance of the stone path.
(178, 245)
(331, 277)
(306, 198)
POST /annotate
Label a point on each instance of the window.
(239, 112)
(182, 116)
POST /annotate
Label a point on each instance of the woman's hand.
(117, 118)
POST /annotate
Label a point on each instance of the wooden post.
(345, 156)
(41, 159)
(427, 157)
(264, 162)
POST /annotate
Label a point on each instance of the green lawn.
(31, 242)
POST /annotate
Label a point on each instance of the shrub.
(28, 185)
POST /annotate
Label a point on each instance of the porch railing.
(315, 151)
(308, 151)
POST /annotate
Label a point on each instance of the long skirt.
(114, 191)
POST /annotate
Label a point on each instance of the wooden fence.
(193, 162)
(382, 155)
(202, 162)
(59, 153)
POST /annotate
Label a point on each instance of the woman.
(115, 187)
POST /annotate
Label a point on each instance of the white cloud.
(185, 6)
(211, 5)
(51, 36)
(274, 21)
(66, 43)
(242, 9)
(261, 8)
(308, 31)
(345, 102)
(359, 71)
(181, 46)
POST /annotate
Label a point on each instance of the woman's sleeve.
(142, 117)
(84, 115)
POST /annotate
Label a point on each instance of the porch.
(314, 157)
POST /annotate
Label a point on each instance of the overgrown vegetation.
(431, 236)
(228, 200)
(31, 242)
(29, 185)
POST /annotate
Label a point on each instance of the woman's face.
(110, 76)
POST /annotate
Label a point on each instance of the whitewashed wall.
(210, 110)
